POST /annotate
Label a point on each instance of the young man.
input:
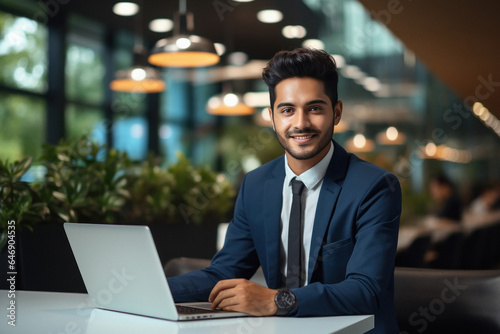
(348, 219)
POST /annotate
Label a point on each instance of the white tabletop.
(71, 313)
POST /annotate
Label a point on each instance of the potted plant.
(182, 204)
(85, 182)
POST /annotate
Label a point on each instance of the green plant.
(180, 193)
(18, 201)
(84, 181)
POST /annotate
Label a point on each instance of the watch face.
(285, 299)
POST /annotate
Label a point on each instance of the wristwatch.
(285, 300)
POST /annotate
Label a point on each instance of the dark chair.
(447, 301)
(448, 251)
(413, 255)
(475, 251)
(183, 265)
(492, 260)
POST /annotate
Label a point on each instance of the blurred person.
(449, 206)
(487, 200)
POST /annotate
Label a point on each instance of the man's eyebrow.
(285, 104)
(318, 101)
(290, 104)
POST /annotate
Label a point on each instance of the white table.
(70, 313)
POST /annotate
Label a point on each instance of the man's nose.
(301, 119)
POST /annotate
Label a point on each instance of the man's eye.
(286, 111)
(316, 108)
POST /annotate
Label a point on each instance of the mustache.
(302, 131)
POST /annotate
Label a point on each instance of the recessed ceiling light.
(313, 44)
(269, 16)
(237, 58)
(220, 48)
(242, 0)
(294, 31)
(339, 60)
(161, 25)
(125, 8)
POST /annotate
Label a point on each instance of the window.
(23, 53)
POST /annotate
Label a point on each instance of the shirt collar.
(311, 177)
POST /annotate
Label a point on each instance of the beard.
(303, 153)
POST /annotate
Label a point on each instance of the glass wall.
(23, 82)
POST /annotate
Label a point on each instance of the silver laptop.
(122, 272)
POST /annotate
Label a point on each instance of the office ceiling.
(458, 41)
(231, 23)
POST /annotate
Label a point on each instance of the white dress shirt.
(313, 180)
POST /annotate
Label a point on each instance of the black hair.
(443, 180)
(302, 62)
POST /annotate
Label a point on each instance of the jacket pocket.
(335, 245)
(332, 261)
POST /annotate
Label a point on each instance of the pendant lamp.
(183, 49)
(228, 104)
(141, 78)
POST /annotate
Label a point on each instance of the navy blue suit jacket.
(351, 264)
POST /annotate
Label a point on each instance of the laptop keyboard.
(192, 310)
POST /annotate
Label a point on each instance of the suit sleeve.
(370, 268)
(237, 259)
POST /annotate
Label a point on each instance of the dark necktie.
(293, 277)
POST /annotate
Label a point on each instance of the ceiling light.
(228, 104)
(243, 0)
(352, 72)
(391, 136)
(359, 140)
(430, 149)
(359, 143)
(220, 48)
(477, 107)
(237, 58)
(313, 44)
(265, 114)
(371, 84)
(256, 99)
(343, 126)
(125, 8)
(269, 16)
(139, 79)
(183, 49)
(161, 25)
(339, 60)
(294, 31)
(263, 119)
(392, 133)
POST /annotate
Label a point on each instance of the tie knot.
(297, 187)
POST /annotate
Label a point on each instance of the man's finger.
(222, 285)
(221, 296)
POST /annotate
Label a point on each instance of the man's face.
(304, 118)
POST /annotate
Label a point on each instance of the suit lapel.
(273, 191)
(328, 196)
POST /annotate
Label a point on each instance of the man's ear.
(271, 116)
(337, 112)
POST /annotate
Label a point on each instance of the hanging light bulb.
(183, 49)
(359, 143)
(391, 136)
(228, 104)
(141, 78)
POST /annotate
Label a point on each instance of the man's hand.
(241, 295)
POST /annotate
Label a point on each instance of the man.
(449, 209)
(350, 214)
